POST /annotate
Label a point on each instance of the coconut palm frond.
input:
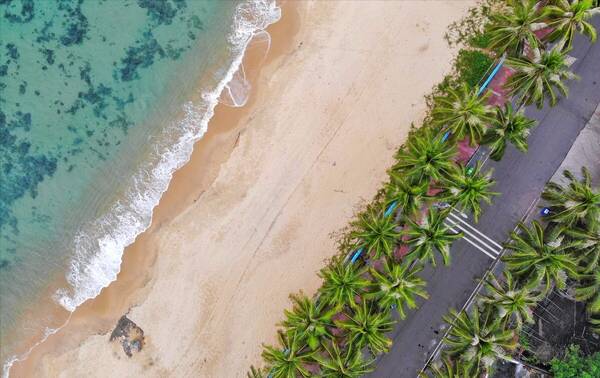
(366, 327)
(426, 156)
(540, 257)
(376, 233)
(409, 194)
(509, 301)
(309, 320)
(576, 202)
(464, 113)
(477, 340)
(342, 283)
(568, 18)
(339, 363)
(589, 291)
(430, 235)
(511, 127)
(541, 77)
(289, 359)
(514, 28)
(469, 187)
(398, 286)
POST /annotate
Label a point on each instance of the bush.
(479, 40)
(472, 65)
(573, 364)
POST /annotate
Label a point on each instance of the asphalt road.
(520, 178)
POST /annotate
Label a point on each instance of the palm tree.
(539, 77)
(376, 233)
(448, 368)
(569, 17)
(468, 187)
(429, 235)
(408, 193)
(515, 28)
(398, 285)
(255, 373)
(509, 300)
(366, 327)
(595, 323)
(309, 320)
(464, 113)
(342, 283)
(478, 340)
(343, 364)
(508, 127)
(588, 246)
(288, 360)
(576, 202)
(589, 290)
(426, 156)
(540, 257)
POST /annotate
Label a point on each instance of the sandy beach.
(250, 218)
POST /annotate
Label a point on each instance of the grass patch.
(472, 65)
(480, 40)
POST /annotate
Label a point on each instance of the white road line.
(472, 243)
(476, 230)
(483, 243)
(477, 243)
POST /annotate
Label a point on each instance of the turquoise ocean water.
(100, 101)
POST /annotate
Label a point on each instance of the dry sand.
(249, 219)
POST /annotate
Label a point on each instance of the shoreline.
(331, 174)
(100, 314)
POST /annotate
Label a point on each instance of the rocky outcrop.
(129, 335)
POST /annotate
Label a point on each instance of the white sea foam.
(100, 246)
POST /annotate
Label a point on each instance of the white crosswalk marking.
(476, 230)
(473, 236)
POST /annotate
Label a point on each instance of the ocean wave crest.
(100, 247)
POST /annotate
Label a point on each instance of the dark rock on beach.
(129, 335)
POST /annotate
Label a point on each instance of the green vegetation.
(366, 326)
(538, 78)
(578, 202)
(309, 320)
(478, 339)
(509, 127)
(288, 359)
(448, 368)
(398, 286)
(426, 157)
(376, 234)
(409, 194)
(342, 283)
(463, 112)
(514, 28)
(540, 257)
(573, 364)
(568, 18)
(510, 302)
(341, 331)
(468, 188)
(343, 364)
(430, 236)
(472, 65)
(589, 290)
(589, 251)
